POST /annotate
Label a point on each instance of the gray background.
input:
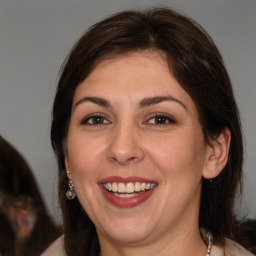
(36, 35)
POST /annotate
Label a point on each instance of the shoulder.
(234, 249)
(230, 248)
(56, 248)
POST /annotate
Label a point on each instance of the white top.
(56, 248)
(231, 249)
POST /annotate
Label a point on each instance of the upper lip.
(111, 179)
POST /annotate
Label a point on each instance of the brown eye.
(94, 120)
(161, 120)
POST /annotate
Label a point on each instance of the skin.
(130, 142)
(21, 219)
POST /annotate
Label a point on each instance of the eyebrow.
(143, 103)
(156, 100)
(96, 100)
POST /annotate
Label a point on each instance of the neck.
(185, 243)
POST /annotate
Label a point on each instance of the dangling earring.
(70, 192)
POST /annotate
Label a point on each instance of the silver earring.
(70, 192)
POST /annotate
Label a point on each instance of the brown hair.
(197, 65)
(247, 236)
(17, 184)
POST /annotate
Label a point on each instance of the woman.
(147, 135)
(26, 228)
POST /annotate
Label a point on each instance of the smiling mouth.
(128, 190)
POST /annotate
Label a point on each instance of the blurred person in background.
(26, 227)
(248, 237)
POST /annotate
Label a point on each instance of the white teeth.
(137, 186)
(121, 188)
(128, 188)
(125, 195)
(114, 187)
(152, 185)
(109, 186)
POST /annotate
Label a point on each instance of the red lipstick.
(123, 199)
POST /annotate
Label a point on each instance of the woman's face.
(135, 150)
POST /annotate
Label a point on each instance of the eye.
(94, 120)
(161, 120)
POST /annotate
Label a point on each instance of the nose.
(125, 146)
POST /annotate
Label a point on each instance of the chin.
(131, 238)
(128, 234)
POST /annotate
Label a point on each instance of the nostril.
(124, 160)
(131, 158)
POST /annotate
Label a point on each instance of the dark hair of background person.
(247, 238)
(18, 188)
(7, 237)
(197, 65)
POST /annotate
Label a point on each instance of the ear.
(217, 154)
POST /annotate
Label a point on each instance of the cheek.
(177, 155)
(84, 155)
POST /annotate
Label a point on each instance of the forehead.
(135, 75)
(131, 62)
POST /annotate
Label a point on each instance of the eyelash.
(85, 121)
(157, 117)
(98, 119)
